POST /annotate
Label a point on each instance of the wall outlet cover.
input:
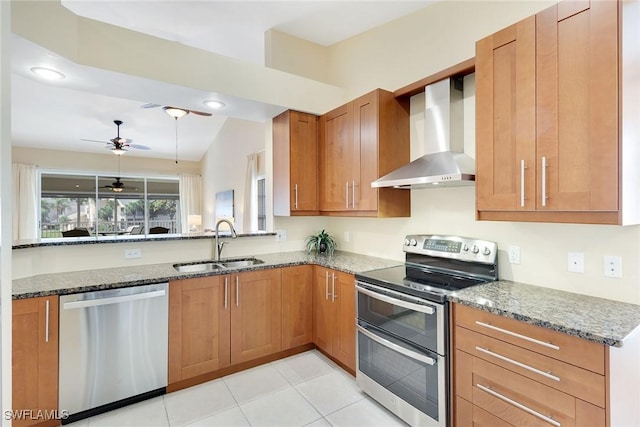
(281, 235)
(613, 266)
(133, 253)
(514, 254)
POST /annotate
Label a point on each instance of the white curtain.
(190, 199)
(25, 202)
(250, 214)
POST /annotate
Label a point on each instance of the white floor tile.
(364, 413)
(194, 403)
(255, 383)
(320, 423)
(303, 367)
(284, 408)
(230, 418)
(330, 392)
(147, 413)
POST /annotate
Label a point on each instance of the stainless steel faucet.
(218, 248)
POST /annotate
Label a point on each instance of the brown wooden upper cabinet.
(295, 164)
(547, 117)
(360, 142)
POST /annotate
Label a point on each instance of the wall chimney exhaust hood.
(444, 163)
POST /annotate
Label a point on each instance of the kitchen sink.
(241, 262)
(197, 268)
(219, 265)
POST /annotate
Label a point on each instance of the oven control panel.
(455, 247)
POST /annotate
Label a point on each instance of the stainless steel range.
(403, 323)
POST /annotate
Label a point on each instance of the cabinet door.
(338, 154)
(323, 314)
(506, 119)
(35, 356)
(256, 314)
(304, 162)
(199, 326)
(365, 168)
(344, 347)
(297, 303)
(577, 106)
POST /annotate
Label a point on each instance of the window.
(262, 205)
(106, 206)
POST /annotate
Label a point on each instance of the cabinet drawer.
(573, 350)
(578, 382)
(469, 415)
(519, 400)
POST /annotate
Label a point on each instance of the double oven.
(403, 323)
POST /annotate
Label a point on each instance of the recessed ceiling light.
(47, 73)
(214, 104)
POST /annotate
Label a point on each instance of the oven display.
(442, 245)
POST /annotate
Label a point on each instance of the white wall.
(224, 165)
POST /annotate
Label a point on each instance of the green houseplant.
(322, 242)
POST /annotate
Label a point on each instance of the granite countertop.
(594, 319)
(119, 277)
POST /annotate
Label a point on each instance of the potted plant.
(321, 243)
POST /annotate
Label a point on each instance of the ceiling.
(59, 114)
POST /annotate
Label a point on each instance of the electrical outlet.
(347, 237)
(133, 253)
(613, 266)
(281, 235)
(575, 262)
(514, 254)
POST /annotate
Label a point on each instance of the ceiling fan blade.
(95, 140)
(200, 113)
(139, 147)
(150, 105)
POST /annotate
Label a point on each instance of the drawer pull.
(537, 414)
(514, 334)
(515, 362)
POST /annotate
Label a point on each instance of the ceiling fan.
(119, 145)
(118, 186)
(173, 111)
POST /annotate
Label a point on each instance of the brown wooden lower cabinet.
(334, 315)
(35, 360)
(297, 306)
(502, 379)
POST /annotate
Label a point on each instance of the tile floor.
(303, 390)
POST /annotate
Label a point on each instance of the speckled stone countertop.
(96, 240)
(108, 278)
(594, 319)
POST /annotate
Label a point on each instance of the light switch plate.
(613, 266)
(575, 262)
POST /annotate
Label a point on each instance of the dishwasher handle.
(71, 305)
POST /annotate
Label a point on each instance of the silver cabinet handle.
(544, 181)
(396, 347)
(46, 321)
(519, 405)
(333, 288)
(113, 300)
(347, 196)
(353, 194)
(326, 285)
(520, 364)
(237, 291)
(226, 292)
(517, 335)
(522, 168)
(295, 191)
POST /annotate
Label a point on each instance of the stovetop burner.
(437, 266)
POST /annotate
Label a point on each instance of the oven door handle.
(396, 347)
(395, 301)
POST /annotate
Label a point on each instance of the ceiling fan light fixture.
(117, 189)
(47, 73)
(212, 103)
(174, 112)
(119, 151)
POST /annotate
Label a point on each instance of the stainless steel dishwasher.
(113, 348)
